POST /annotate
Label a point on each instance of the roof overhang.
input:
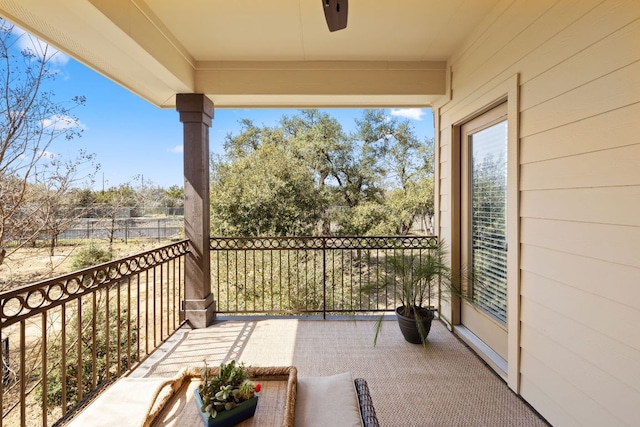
(243, 55)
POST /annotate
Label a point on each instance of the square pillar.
(196, 112)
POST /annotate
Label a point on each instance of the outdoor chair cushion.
(123, 404)
(327, 401)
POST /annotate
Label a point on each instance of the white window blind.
(488, 222)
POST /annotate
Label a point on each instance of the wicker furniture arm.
(368, 412)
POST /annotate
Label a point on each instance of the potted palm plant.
(415, 279)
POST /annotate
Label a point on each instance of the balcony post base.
(199, 312)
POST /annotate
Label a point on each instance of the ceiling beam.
(353, 84)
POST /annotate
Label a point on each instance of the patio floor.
(445, 385)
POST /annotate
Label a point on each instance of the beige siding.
(606, 168)
(607, 362)
(615, 90)
(600, 205)
(607, 279)
(578, 63)
(609, 130)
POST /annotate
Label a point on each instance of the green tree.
(374, 180)
(406, 204)
(358, 168)
(250, 139)
(393, 175)
(174, 197)
(412, 168)
(489, 198)
(319, 142)
(365, 219)
(266, 192)
(83, 197)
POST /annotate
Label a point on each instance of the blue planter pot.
(231, 417)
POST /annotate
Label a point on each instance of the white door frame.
(507, 91)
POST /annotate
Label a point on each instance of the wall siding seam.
(587, 187)
(574, 155)
(601, 113)
(558, 95)
(613, 130)
(580, 290)
(594, 44)
(580, 119)
(524, 242)
(560, 220)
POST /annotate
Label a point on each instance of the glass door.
(484, 233)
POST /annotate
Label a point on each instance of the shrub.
(89, 256)
(122, 349)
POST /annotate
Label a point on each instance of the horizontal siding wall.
(579, 73)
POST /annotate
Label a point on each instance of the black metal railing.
(306, 275)
(66, 338)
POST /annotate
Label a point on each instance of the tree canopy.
(307, 175)
(265, 192)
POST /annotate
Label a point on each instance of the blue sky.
(131, 137)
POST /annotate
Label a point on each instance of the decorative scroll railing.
(306, 275)
(66, 338)
(63, 340)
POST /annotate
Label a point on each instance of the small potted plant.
(227, 397)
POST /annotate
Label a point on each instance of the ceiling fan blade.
(335, 12)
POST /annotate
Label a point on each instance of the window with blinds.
(488, 219)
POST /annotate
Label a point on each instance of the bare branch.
(33, 181)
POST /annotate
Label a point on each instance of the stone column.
(196, 112)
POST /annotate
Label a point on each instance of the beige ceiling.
(259, 53)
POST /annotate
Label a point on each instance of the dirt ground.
(32, 264)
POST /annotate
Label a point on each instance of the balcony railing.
(306, 275)
(66, 338)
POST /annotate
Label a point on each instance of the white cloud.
(408, 113)
(57, 122)
(46, 155)
(41, 155)
(177, 149)
(33, 44)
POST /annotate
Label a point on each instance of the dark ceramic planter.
(243, 411)
(409, 327)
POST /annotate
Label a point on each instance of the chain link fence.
(124, 229)
(118, 229)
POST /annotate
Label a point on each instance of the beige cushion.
(124, 404)
(327, 401)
